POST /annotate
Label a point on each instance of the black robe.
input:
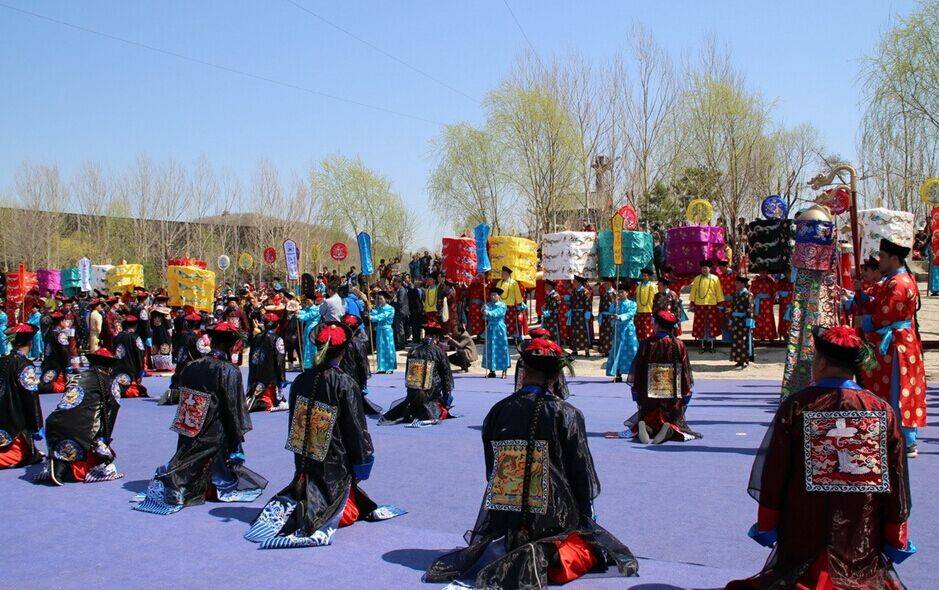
(355, 364)
(20, 412)
(822, 510)
(143, 316)
(56, 358)
(332, 451)
(265, 365)
(129, 368)
(662, 402)
(556, 506)
(432, 403)
(211, 421)
(186, 351)
(79, 429)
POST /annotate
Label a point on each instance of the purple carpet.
(86, 535)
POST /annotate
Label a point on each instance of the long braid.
(919, 301)
(529, 453)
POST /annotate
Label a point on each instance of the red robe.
(475, 298)
(763, 288)
(832, 524)
(900, 373)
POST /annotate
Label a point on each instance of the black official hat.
(897, 250)
(839, 343)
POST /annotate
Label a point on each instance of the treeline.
(155, 211)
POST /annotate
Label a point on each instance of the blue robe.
(4, 342)
(309, 317)
(496, 354)
(625, 343)
(35, 319)
(382, 318)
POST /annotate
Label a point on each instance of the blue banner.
(481, 234)
(365, 253)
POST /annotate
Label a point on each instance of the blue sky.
(70, 96)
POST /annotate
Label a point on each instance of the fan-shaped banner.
(519, 254)
(481, 234)
(459, 259)
(569, 253)
(188, 285)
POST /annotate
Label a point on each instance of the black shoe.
(911, 451)
(491, 375)
(618, 379)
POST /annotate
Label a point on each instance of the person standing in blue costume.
(4, 342)
(496, 354)
(932, 257)
(35, 320)
(625, 343)
(382, 317)
(309, 317)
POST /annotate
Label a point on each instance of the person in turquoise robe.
(382, 316)
(625, 343)
(309, 318)
(4, 342)
(496, 354)
(933, 285)
(35, 320)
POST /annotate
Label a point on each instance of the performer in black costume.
(540, 492)
(185, 350)
(130, 352)
(78, 431)
(59, 351)
(266, 375)
(332, 450)
(211, 421)
(429, 382)
(20, 412)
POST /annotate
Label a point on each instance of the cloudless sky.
(67, 96)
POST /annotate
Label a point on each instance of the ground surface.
(86, 535)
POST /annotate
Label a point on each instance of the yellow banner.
(188, 285)
(617, 224)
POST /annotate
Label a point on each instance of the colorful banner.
(481, 233)
(124, 277)
(223, 262)
(365, 253)
(617, 224)
(188, 285)
(292, 260)
(245, 261)
(84, 274)
(339, 251)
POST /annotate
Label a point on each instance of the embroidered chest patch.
(49, 375)
(191, 413)
(420, 374)
(72, 397)
(311, 429)
(5, 439)
(662, 381)
(257, 356)
(120, 352)
(29, 380)
(62, 338)
(508, 475)
(846, 451)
